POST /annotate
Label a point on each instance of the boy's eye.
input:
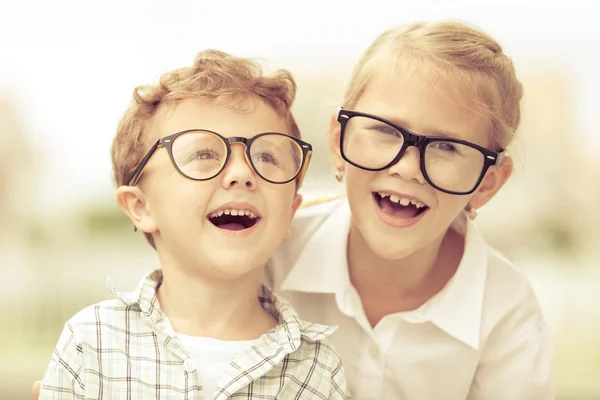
(265, 158)
(203, 155)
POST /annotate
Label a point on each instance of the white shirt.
(212, 357)
(481, 337)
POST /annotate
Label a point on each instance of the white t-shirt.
(212, 357)
(481, 337)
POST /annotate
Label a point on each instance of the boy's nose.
(238, 171)
(409, 166)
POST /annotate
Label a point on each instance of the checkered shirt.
(126, 348)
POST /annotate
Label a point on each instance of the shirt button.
(374, 351)
(189, 365)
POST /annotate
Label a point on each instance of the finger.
(35, 390)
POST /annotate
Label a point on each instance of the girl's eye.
(446, 147)
(386, 129)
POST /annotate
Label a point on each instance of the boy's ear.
(493, 181)
(295, 206)
(133, 203)
(335, 131)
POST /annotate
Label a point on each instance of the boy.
(214, 195)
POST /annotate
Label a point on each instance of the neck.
(221, 309)
(391, 286)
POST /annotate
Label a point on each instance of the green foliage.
(103, 219)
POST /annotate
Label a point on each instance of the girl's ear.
(493, 181)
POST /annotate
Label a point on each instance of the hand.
(35, 390)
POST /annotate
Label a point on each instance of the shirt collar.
(323, 268)
(460, 304)
(323, 264)
(288, 333)
(144, 296)
(291, 329)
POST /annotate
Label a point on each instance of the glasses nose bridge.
(412, 139)
(244, 142)
(238, 139)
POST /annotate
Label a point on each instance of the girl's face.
(396, 211)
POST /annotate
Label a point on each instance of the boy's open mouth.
(400, 207)
(233, 220)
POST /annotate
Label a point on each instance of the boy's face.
(180, 212)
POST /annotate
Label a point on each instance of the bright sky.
(71, 65)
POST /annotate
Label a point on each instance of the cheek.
(359, 193)
(179, 204)
(278, 202)
(451, 204)
(357, 180)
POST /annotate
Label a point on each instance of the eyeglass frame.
(491, 158)
(167, 143)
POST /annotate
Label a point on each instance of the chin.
(390, 243)
(237, 265)
(390, 250)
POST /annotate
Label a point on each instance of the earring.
(472, 213)
(339, 176)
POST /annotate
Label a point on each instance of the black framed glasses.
(200, 155)
(450, 165)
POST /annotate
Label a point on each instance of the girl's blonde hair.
(473, 62)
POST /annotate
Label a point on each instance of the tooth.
(234, 212)
(383, 195)
(404, 202)
(420, 205)
(226, 212)
(220, 213)
(394, 199)
(246, 212)
(252, 214)
(214, 215)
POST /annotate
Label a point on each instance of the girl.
(426, 309)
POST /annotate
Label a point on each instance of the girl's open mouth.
(399, 207)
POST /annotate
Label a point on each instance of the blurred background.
(67, 70)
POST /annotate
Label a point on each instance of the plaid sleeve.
(63, 378)
(338, 383)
